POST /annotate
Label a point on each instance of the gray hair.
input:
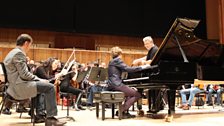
(148, 38)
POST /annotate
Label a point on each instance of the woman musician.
(46, 70)
(70, 85)
(49, 70)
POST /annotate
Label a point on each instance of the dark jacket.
(152, 52)
(115, 69)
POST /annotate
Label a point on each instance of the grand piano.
(181, 58)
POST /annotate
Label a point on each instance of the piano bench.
(111, 97)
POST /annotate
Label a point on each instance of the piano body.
(181, 58)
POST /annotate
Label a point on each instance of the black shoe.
(20, 110)
(210, 104)
(124, 115)
(130, 115)
(42, 114)
(81, 108)
(6, 111)
(39, 119)
(52, 121)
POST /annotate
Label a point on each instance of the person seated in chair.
(70, 85)
(186, 104)
(23, 84)
(217, 89)
(115, 68)
(93, 89)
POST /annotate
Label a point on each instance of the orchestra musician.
(115, 68)
(70, 85)
(95, 87)
(186, 104)
(47, 70)
(217, 89)
(23, 84)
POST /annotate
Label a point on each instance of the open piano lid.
(196, 50)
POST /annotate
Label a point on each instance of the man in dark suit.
(23, 84)
(115, 69)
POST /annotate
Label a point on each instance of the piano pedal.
(141, 113)
(169, 118)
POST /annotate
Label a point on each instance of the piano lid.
(180, 44)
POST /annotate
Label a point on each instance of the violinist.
(217, 89)
(47, 71)
(69, 84)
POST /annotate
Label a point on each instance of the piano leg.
(139, 102)
(171, 103)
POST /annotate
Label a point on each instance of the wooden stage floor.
(204, 116)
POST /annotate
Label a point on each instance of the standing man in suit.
(23, 84)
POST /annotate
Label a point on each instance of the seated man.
(186, 104)
(92, 89)
(23, 84)
(115, 69)
(217, 90)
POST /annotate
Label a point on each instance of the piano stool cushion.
(112, 97)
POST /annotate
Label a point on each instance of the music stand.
(103, 74)
(81, 76)
(94, 74)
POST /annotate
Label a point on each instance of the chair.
(112, 97)
(6, 96)
(68, 96)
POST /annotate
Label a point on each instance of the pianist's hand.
(134, 88)
(136, 62)
(145, 66)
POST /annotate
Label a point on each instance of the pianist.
(115, 69)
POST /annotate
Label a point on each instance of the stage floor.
(204, 116)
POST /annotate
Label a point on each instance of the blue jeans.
(192, 92)
(49, 97)
(92, 90)
(218, 99)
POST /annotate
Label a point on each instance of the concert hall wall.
(114, 17)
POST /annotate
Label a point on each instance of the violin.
(74, 83)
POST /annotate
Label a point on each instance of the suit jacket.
(21, 81)
(115, 69)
